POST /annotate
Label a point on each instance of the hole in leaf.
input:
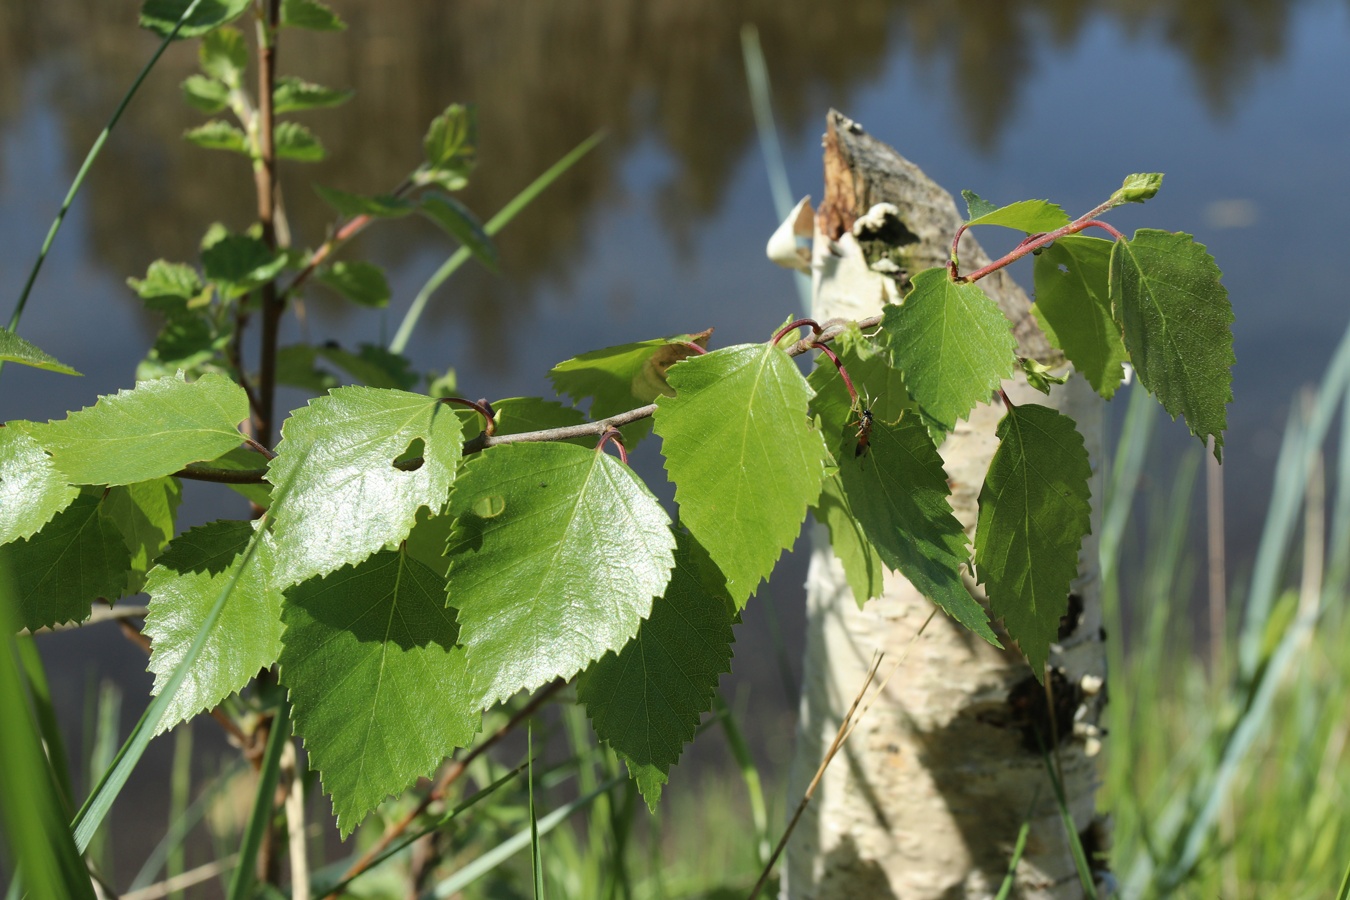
(489, 507)
(411, 459)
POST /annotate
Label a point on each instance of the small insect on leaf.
(864, 434)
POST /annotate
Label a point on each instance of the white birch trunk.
(927, 798)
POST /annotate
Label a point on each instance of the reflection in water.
(545, 75)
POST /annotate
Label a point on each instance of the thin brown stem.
(483, 408)
(1084, 221)
(843, 373)
(815, 329)
(452, 773)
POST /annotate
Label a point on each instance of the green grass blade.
(40, 691)
(1344, 892)
(100, 800)
(494, 225)
(1009, 880)
(260, 819)
(41, 848)
(513, 845)
(761, 102)
(536, 857)
(180, 788)
(89, 161)
(1080, 860)
(740, 751)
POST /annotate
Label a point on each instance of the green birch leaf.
(1073, 308)
(295, 368)
(223, 55)
(16, 350)
(219, 135)
(898, 490)
(1166, 294)
(297, 143)
(148, 432)
(461, 224)
(347, 499)
(382, 206)
(246, 637)
(646, 700)
(187, 343)
(58, 573)
(953, 345)
(241, 262)
(362, 283)
(744, 457)
(556, 555)
(160, 16)
(617, 379)
(310, 14)
(206, 95)
(297, 95)
(380, 691)
(1034, 509)
(31, 489)
(144, 515)
(863, 569)
(1031, 216)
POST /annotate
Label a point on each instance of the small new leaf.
(450, 139)
(1031, 216)
(206, 94)
(183, 587)
(148, 432)
(556, 554)
(1138, 188)
(744, 457)
(297, 95)
(297, 143)
(646, 700)
(380, 690)
(1166, 295)
(1073, 308)
(310, 14)
(168, 287)
(16, 350)
(218, 135)
(953, 345)
(347, 499)
(223, 55)
(1040, 376)
(241, 263)
(1033, 516)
